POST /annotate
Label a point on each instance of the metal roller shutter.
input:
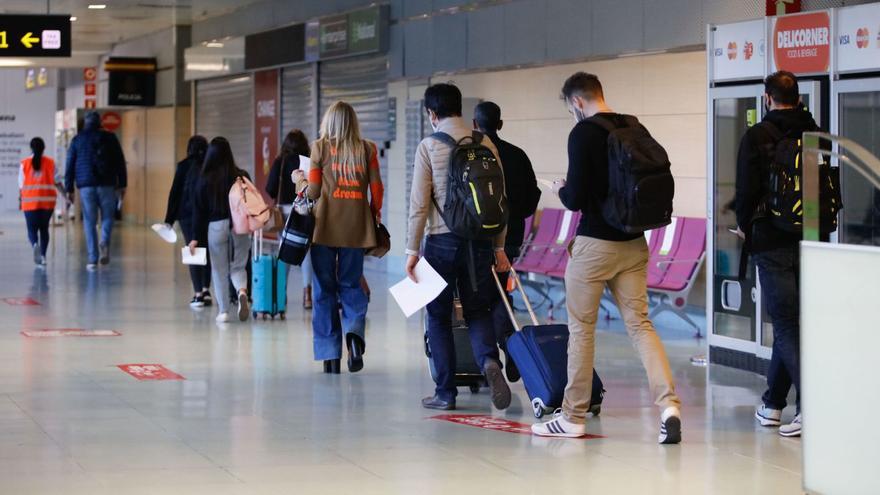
(224, 107)
(363, 83)
(298, 101)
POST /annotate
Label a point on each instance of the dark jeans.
(503, 326)
(448, 254)
(779, 271)
(38, 227)
(337, 283)
(199, 275)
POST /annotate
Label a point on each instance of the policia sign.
(34, 35)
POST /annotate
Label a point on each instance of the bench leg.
(680, 312)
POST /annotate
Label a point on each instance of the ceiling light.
(214, 44)
(97, 6)
(72, 18)
(15, 62)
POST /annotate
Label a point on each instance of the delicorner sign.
(802, 43)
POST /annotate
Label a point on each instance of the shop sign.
(150, 372)
(487, 422)
(313, 41)
(782, 7)
(802, 43)
(68, 332)
(738, 51)
(333, 34)
(858, 38)
(265, 124)
(34, 36)
(361, 31)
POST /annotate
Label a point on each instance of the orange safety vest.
(38, 191)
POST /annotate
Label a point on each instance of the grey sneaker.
(38, 254)
(767, 416)
(105, 253)
(497, 386)
(792, 429)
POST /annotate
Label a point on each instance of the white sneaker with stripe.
(559, 427)
(670, 426)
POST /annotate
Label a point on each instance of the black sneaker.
(207, 300)
(497, 386)
(105, 254)
(197, 301)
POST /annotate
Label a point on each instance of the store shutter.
(298, 101)
(224, 107)
(363, 83)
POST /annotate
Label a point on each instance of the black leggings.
(38, 227)
(199, 274)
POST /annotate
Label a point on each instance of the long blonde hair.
(341, 129)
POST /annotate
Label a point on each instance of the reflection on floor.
(255, 414)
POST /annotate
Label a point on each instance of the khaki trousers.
(622, 267)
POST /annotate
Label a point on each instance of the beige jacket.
(429, 176)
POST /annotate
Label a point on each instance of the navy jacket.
(81, 171)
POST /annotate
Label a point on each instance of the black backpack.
(640, 183)
(783, 203)
(476, 206)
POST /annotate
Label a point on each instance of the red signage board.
(802, 43)
(265, 124)
(21, 301)
(90, 74)
(68, 332)
(91, 103)
(782, 7)
(150, 372)
(91, 89)
(110, 121)
(491, 423)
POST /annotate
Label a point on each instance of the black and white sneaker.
(497, 385)
(559, 427)
(670, 426)
(197, 301)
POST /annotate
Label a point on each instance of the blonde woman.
(344, 172)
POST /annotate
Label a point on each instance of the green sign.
(751, 117)
(333, 33)
(361, 31)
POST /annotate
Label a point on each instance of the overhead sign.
(361, 31)
(858, 38)
(491, 423)
(150, 372)
(34, 35)
(131, 81)
(783, 7)
(738, 51)
(68, 332)
(802, 43)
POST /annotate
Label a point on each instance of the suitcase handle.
(258, 244)
(522, 291)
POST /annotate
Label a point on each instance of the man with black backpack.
(769, 215)
(96, 165)
(619, 178)
(523, 195)
(458, 199)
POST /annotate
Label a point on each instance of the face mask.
(578, 115)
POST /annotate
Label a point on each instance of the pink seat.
(544, 238)
(687, 257)
(558, 253)
(665, 250)
(561, 256)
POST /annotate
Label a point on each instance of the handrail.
(866, 164)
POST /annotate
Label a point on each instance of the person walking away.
(523, 195)
(180, 209)
(344, 169)
(36, 183)
(96, 165)
(463, 263)
(775, 251)
(603, 256)
(281, 188)
(212, 220)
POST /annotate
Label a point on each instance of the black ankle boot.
(355, 352)
(327, 366)
(335, 366)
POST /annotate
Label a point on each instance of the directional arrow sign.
(35, 36)
(29, 40)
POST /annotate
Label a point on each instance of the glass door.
(858, 118)
(733, 308)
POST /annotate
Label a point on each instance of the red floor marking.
(69, 332)
(20, 301)
(150, 372)
(492, 423)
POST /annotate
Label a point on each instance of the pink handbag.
(248, 209)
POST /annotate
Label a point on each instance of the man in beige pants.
(603, 256)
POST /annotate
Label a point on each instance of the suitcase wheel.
(265, 316)
(283, 316)
(474, 388)
(273, 317)
(538, 408)
(255, 315)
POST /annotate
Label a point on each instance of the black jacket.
(210, 207)
(181, 196)
(752, 174)
(280, 173)
(521, 188)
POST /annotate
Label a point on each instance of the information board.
(34, 35)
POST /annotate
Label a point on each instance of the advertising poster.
(265, 125)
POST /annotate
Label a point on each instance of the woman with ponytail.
(36, 182)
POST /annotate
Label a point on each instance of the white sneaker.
(767, 416)
(224, 318)
(670, 426)
(92, 267)
(244, 309)
(559, 427)
(792, 429)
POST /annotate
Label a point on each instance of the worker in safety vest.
(36, 181)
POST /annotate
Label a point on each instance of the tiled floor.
(255, 415)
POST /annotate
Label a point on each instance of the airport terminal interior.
(116, 378)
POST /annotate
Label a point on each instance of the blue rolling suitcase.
(541, 354)
(269, 282)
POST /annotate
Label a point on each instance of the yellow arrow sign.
(29, 39)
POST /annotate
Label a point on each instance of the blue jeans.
(38, 227)
(779, 271)
(96, 199)
(336, 283)
(448, 254)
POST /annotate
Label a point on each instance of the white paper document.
(546, 183)
(411, 296)
(200, 258)
(305, 163)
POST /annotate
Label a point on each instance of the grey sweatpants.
(227, 266)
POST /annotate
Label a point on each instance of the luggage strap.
(522, 291)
